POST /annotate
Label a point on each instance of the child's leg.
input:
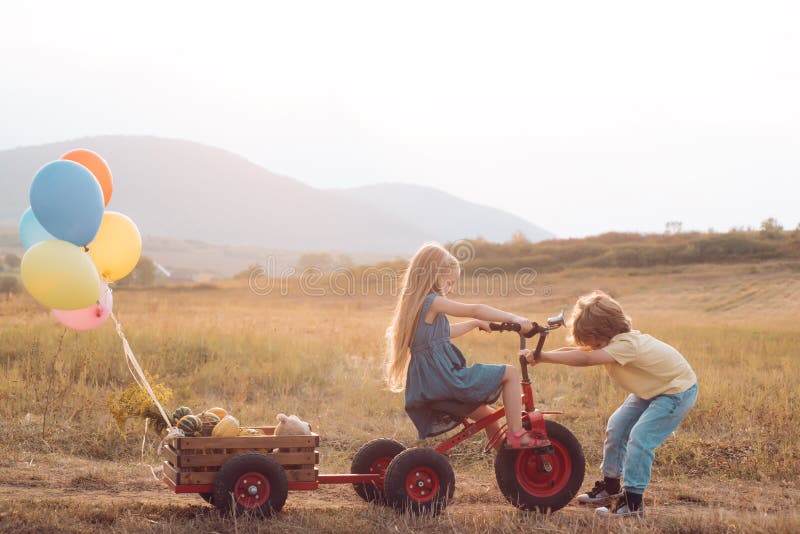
(512, 399)
(618, 431)
(492, 429)
(657, 422)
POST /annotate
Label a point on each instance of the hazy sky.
(581, 116)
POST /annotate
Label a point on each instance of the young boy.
(663, 389)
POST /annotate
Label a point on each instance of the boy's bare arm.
(573, 357)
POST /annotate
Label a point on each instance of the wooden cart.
(248, 474)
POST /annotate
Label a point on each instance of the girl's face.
(448, 279)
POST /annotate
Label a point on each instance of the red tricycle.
(253, 474)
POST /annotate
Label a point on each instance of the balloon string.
(136, 370)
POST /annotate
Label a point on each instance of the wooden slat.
(267, 430)
(183, 477)
(196, 477)
(171, 473)
(247, 442)
(300, 457)
(170, 455)
(215, 460)
(302, 475)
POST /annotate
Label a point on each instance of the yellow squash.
(227, 427)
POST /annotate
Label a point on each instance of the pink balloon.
(88, 318)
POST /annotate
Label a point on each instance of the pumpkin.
(227, 427)
(209, 417)
(219, 412)
(180, 412)
(190, 425)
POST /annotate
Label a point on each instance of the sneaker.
(622, 511)
(622, 507)
(599, 495)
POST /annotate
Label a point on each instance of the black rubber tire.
(407, 464)
(208, 497)
(363, 461)
(224, 484)
(568, 466)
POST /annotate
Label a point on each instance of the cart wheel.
(420, 481)
(208, 497)
(250, 484)
(374, 457)
(542, 482)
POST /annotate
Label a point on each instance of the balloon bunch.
(74, 246)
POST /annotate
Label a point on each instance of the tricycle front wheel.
(542, 482)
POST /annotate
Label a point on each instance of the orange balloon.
(97, 166)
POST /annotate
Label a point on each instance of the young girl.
(663, 389)
(440, 390)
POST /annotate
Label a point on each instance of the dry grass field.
(731, 467)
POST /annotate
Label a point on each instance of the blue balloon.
(67, 201)
(30, 231)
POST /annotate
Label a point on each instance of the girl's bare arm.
(459, 329)
(475, 311)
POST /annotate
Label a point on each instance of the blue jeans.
(636, 429)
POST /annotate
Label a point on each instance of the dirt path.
(62, 494)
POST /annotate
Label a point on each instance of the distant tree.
(519, 237)
(673, 227)
(345, 260)
(320, 260)
(771, 229)
(248, 272)
(12, 261)
(9, 285)
(144, 274)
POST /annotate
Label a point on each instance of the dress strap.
(426, 304)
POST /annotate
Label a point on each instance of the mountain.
(184, 190)
(446, 216)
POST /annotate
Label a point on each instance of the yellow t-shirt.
(648, 367)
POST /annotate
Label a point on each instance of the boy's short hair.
(597, 318)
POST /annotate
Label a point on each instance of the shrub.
(9, 285)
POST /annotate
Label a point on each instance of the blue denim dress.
(438, 379)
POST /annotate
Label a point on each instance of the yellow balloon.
(60, 275)
(116, 248)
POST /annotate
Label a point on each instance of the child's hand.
(483, 325)
(525, 324)
(528, 355)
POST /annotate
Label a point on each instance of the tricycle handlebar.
(552, 323)
(514, 327)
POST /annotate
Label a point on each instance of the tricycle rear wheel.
(374, 457)
(420, 481)
(542, 482)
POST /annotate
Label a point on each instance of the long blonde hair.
(420, 279)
